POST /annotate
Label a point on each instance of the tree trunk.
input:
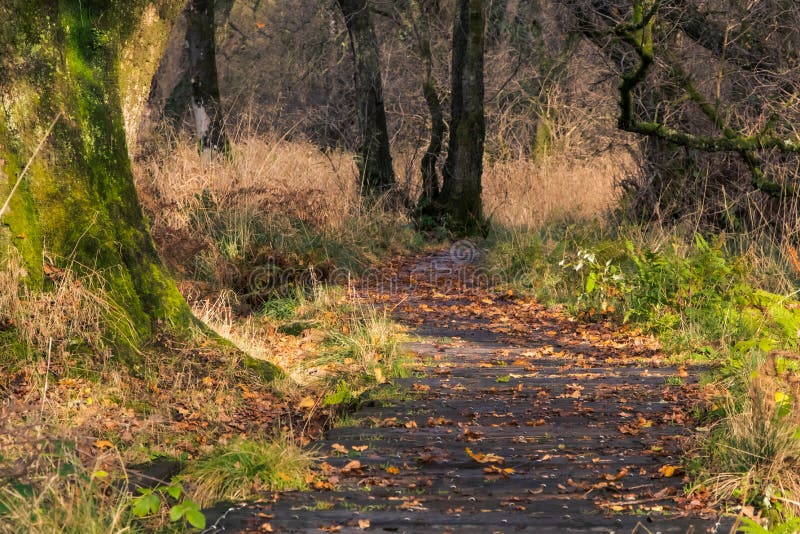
(496, 23)
(461, 192)
(375, 159)
(421, 11)
(201, 42)
(78, 205)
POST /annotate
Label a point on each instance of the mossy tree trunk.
(461, 191)
(91, 61)
(201, 43)
(375, 159)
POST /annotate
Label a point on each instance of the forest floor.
(517, 417)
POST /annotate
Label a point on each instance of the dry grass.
(530, 193)
(755, 451)
(221, 220)
(64, 495)
(267, 176)
(75, 315)
(327, 334)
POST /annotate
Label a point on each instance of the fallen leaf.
(379, 378)
(363, 524)
(484, 458)
(306, 403)
(355, 465)
(668, 470)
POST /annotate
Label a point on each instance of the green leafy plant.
(789, 526)
(150, 500)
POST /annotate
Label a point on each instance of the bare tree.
(421, 13)
(375, 159)
(712, 87)
(202, 71)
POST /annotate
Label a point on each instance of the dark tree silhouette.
(461, 190)
(375, 159)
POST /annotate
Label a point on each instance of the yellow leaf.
(103, 444)
(781, 397)
(668, 470)
(306, 403)
(379, 375)
(392, 470)
(100, 474)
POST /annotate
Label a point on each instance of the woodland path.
(571, 426)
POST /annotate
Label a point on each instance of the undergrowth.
(265, 242)
(726, 302)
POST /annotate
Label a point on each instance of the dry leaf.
(485, 458)
(306, 403)
(379, 378)
(668, 470)
(355, 465)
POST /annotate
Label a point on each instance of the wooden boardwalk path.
(519, 419)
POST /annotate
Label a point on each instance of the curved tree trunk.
(421, 11)
(375, 159)
(78, 202)
(461, 192)
(201, 43)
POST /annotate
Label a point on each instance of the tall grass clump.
(244, 468)
(752, 453)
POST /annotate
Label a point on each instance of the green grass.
(243, 468)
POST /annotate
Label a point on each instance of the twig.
(28, 165)
(46, 377)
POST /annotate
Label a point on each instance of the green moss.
(79, 201)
